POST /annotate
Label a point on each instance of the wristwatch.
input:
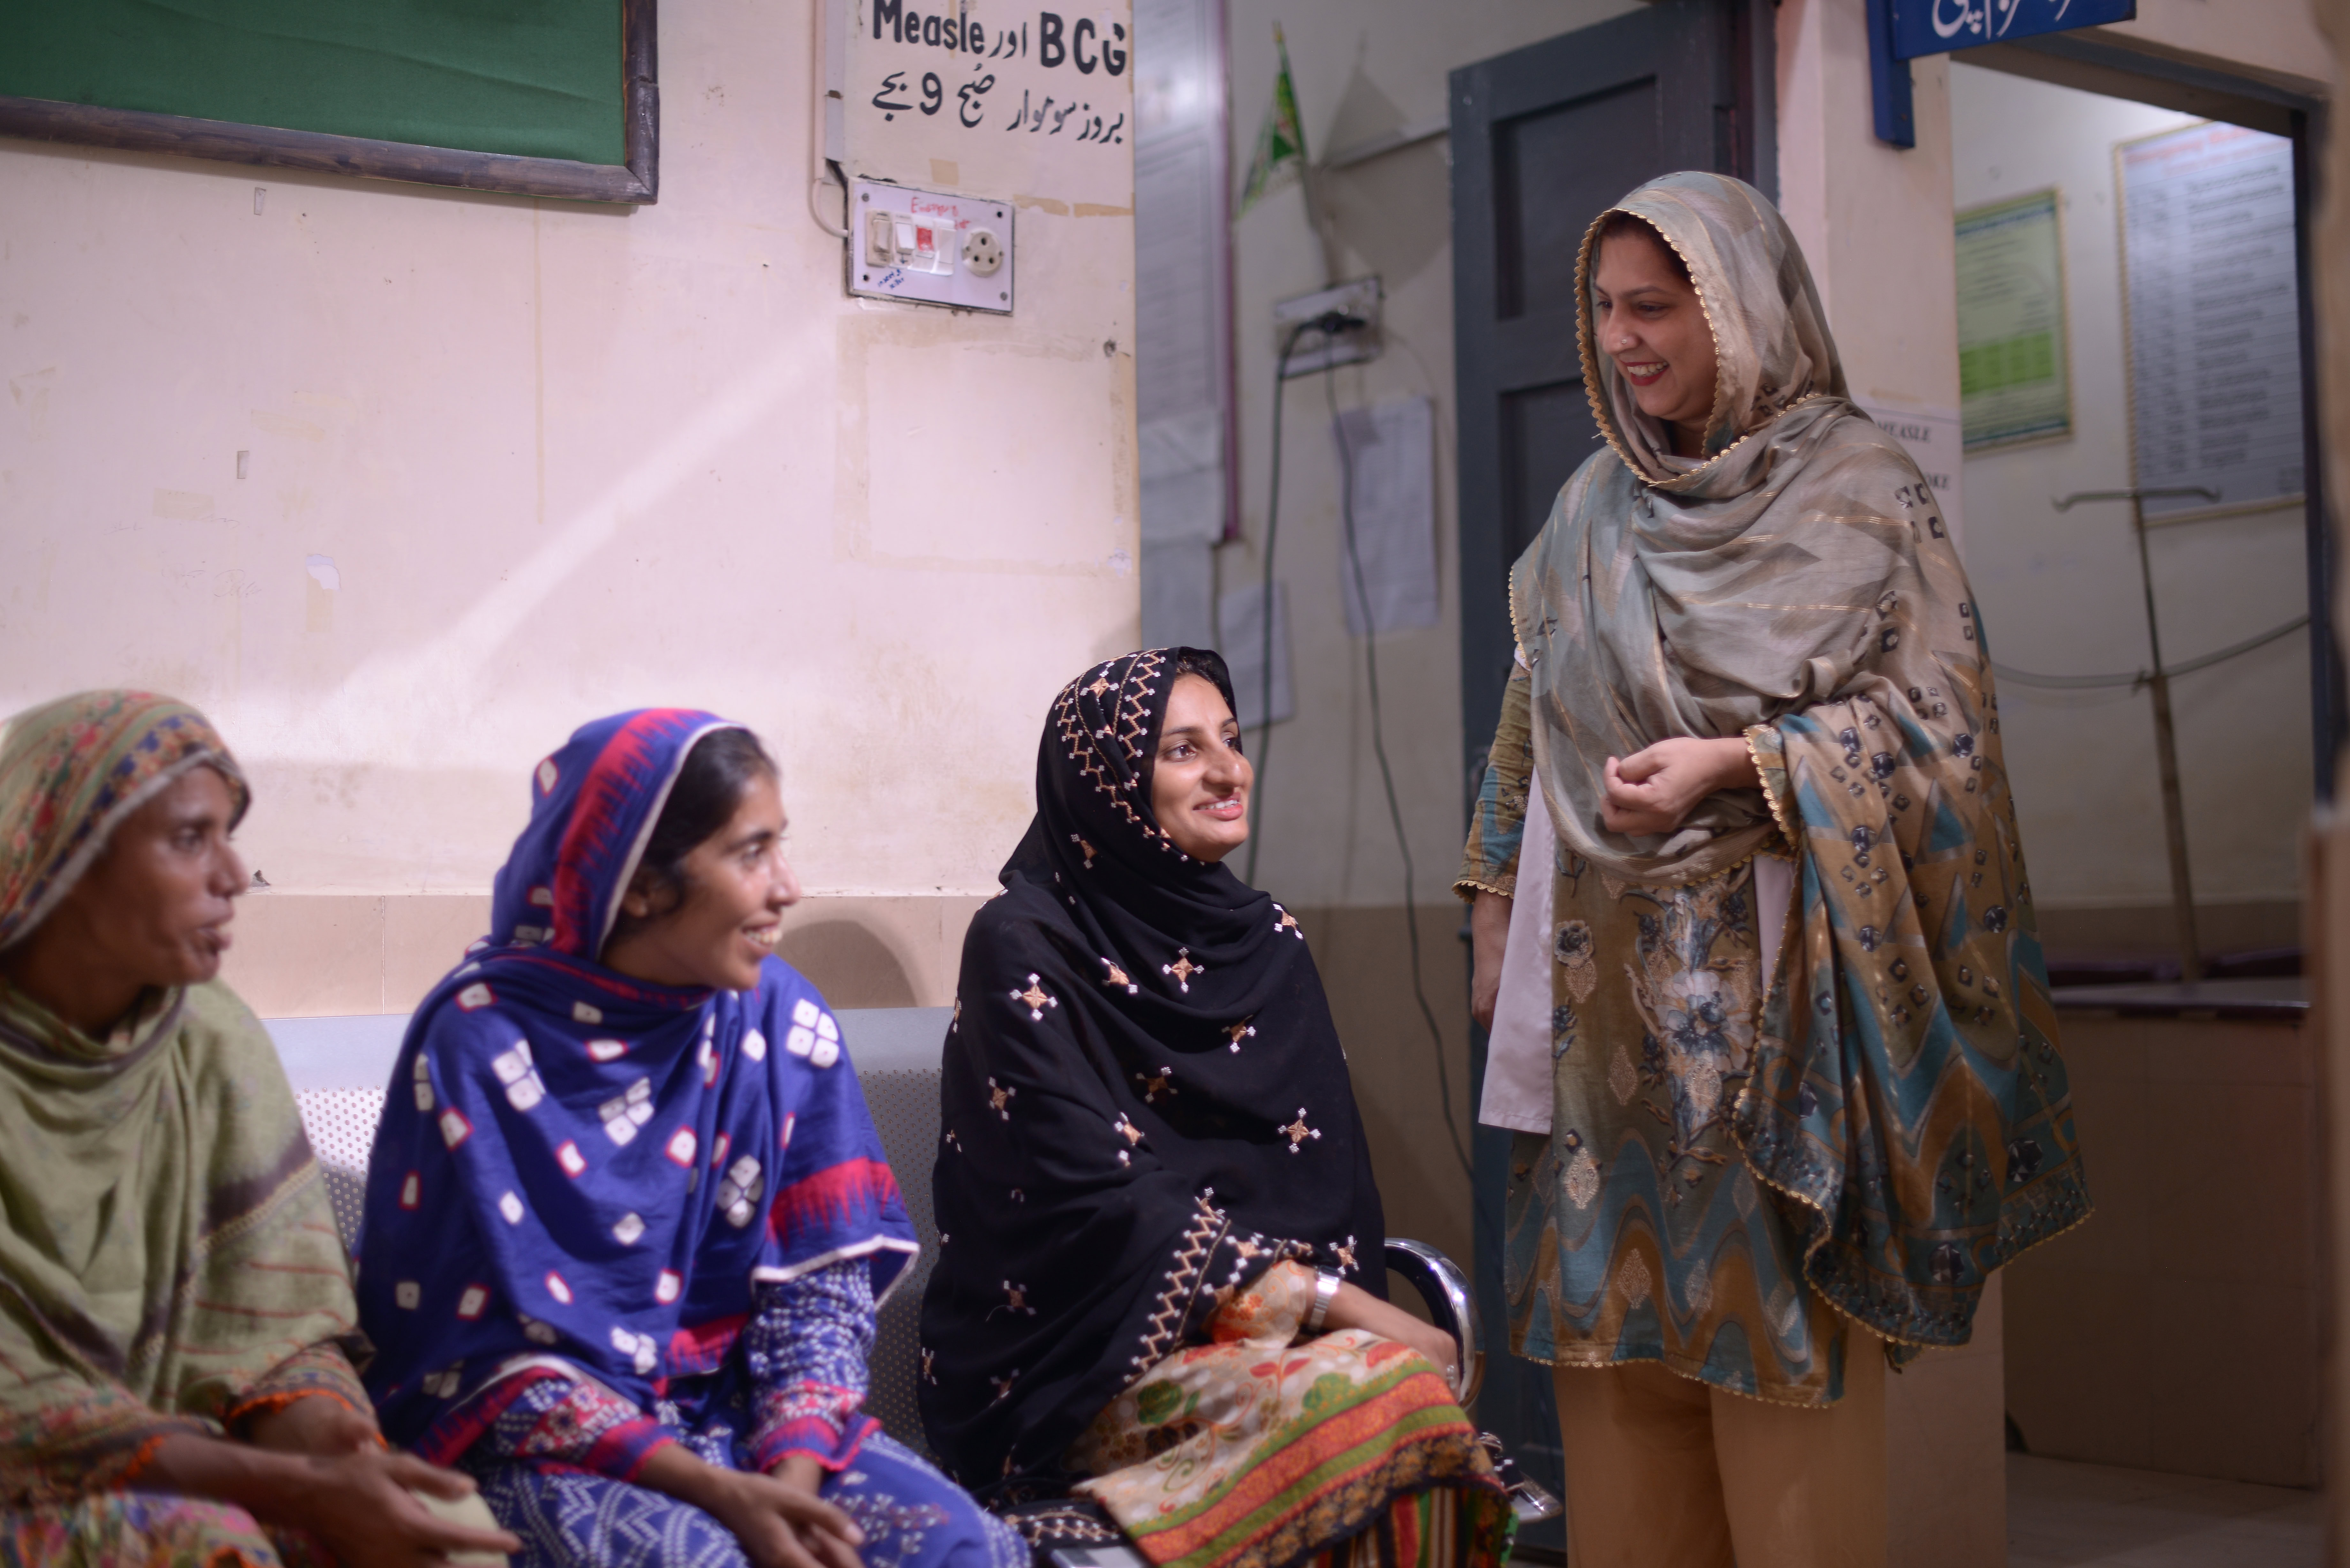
(1325, 1291)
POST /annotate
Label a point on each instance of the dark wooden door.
(1544, 139)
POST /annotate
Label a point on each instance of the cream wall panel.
(563, 459)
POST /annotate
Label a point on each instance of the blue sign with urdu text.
(1934, 26)
(1901, 30)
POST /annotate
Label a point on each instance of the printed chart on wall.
(1013, 103)
(2214, 313)
(2013, 381)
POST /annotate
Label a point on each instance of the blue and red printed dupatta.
(579, 1173)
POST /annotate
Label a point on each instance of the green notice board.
(554, 97)
(2012, 384)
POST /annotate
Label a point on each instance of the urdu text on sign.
(1019, 102)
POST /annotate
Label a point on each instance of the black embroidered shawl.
(1145, 1105)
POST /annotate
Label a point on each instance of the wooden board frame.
(637, 179)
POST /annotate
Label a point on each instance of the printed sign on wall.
(2013, 381)
(992, 97)
(1934, 26)
(1933, 438)
(2210, 279)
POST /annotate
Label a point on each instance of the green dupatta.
(1797, 587)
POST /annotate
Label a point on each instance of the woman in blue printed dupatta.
(628, 1218)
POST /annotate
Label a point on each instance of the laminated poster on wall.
(2013, 384)
(1019, 102)
(1240, 627)
(2214, 316)
(1178, 594)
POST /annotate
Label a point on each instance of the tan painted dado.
(2180, 1328)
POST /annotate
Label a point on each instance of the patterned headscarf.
(1142, 1058)
(71, 770)
(1660, 604)
(1770, 343)
(587, 1174)
(592, 807)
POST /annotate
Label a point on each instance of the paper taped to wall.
(2209, 271)
(1934, 439)
(1388, 455)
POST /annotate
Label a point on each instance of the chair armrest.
(1444, 1290)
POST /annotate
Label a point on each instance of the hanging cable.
(1379, 751)
(820, 94)
(1329, 323)
(2139, 678)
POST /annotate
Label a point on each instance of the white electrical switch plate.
(1314, 351)
(930, 247)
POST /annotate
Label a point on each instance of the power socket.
(1316, 351)
(930, 247)
(983, 253)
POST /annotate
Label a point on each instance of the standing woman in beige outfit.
(1753, 935)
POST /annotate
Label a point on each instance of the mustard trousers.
(1663, 1471)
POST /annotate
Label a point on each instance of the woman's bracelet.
(1325, 1291)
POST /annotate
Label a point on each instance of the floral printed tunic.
(1634, 1231)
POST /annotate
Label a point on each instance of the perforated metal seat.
(341, 1124)
(897, 1055)
(329, 1060)
(905, 1106)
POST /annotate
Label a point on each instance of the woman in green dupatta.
(1753, 934)
(172, 1285)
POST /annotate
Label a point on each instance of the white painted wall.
(2276, 38)
(1873, 220)
(1363, 67)
(564, 459)
(2061, 592)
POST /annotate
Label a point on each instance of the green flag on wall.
(1280, 155)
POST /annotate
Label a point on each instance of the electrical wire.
(1379, 751)
(2140, 678)
(1264, 609)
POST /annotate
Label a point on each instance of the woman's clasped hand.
(1654, 790)
(777, 1518)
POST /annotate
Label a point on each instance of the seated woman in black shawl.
(1160, 1285)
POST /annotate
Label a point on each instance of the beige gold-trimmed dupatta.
(1798, 587)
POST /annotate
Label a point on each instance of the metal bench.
(339, 1067)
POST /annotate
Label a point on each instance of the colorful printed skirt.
(912, 1516)
(148, 1530)
(1259, 1450)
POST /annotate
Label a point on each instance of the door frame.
(1730, 46)
(2093, 61)
(1740, 136)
